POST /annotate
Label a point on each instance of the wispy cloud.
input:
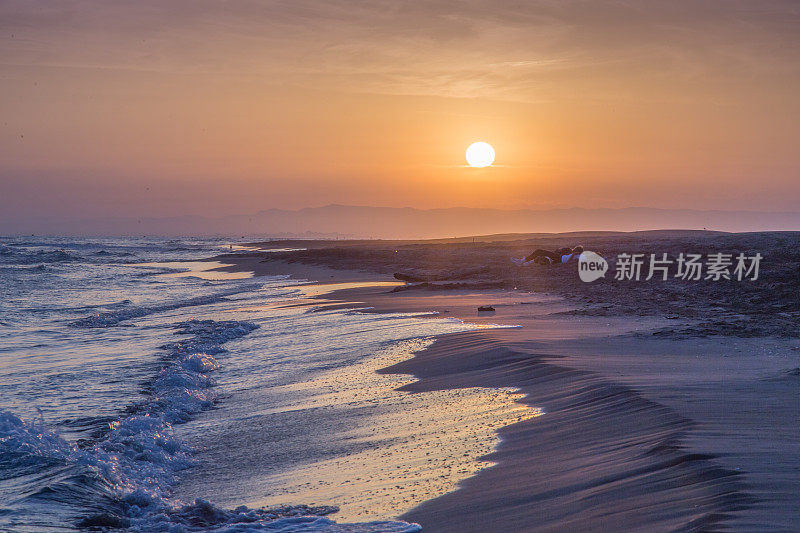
(476, 48)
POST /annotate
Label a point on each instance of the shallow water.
(139, 392)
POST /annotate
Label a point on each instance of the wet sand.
(639, 432)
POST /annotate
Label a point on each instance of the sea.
(142, 390)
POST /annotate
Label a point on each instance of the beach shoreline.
(637, 433)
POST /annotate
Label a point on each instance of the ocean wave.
(138, 456)
(112, 318)
(206, 517)
(41, 267)
(28, 257)
(106, 253)
(122, 478)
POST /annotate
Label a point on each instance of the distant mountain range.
(341, 221)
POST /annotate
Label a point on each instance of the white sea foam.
(113, 318)
(136, 461)
(122, 453)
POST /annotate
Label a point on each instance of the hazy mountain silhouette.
(340, 221)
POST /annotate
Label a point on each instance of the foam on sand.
(123, 478)
(418, 447)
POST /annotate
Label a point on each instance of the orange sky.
(155, 108)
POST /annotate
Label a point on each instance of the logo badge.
(591, 266)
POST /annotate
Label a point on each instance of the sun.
(480, 154)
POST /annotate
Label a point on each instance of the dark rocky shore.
(768, 306)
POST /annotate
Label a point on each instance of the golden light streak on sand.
(418, 445)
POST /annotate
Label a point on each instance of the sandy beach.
(647, 426)
(389, 267)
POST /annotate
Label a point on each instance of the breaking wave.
(28, 257)
(112, 318)
(122, 477)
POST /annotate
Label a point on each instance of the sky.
(153, 108)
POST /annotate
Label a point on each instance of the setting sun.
(480, 154)
(182, 179)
